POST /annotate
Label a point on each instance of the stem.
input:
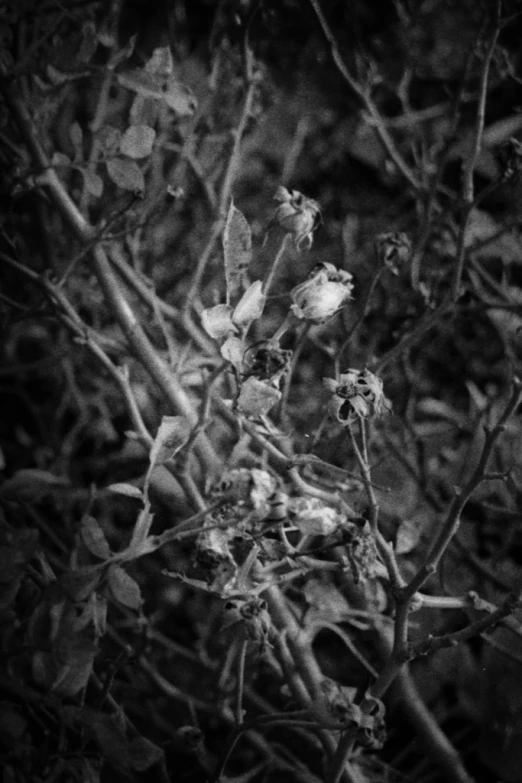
(452, 522)
(240, 681)
(436, 743)
(277, 260)
(363, 94)
(469, 168)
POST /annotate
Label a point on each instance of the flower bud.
(357, 395)
(323, 294)
(297, 215)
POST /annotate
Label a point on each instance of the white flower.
(323, 294)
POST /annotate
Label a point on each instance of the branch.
(468, 197)
(85, 232)
(452, 522)
(371, 108)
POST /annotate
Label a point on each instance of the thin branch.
(468, 193)
(364, 95)
(462, 495)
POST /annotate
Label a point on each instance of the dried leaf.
(237, 247)
(250, 306)
(173, 433)
(233, 351)
(217, 321)
(137, 141)
(257, 398)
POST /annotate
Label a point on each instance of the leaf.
(257, 398)
(237, 247)
(109, 139)
(233, 351)
(124, 588)
(173, 433)
(161, 63)
(93, 183)
(217, 321)
(137, 141)
(126, 174)
(119, 55)
(141, 83)
(179, 98)
(31, 484)
(140, 543)
(94, 538)
(408, 536)
(59, 159)
(250, 307)
(129, 490)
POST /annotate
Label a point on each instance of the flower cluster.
(358, 394)
(324, 293)
(297, 215)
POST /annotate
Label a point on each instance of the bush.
(261, 392)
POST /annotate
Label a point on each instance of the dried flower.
(357, 395)
(297, 215)
(324, 293)
(393, 250)
(266, 361)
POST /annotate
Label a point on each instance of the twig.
(275, 265)
(230, 174)
(122, 311)
(364, 95)
(462, 495)
(468, 196)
